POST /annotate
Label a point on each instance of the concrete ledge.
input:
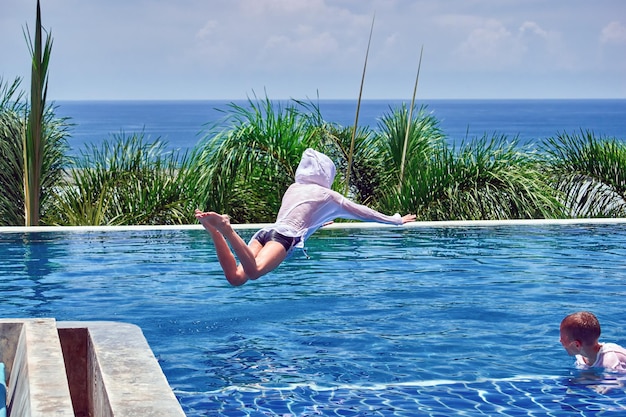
(123, 378)
(82, 369)
(36, 382)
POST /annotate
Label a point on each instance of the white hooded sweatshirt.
(309, 202)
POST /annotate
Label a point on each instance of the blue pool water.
(433, 321)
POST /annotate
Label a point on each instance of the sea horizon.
(183, 123)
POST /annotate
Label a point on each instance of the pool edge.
(339, 225)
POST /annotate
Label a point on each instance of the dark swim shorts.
(265, 236)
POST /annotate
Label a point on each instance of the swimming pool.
(427, 320)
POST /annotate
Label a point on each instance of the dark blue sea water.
(183, 123)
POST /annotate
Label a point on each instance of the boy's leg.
(221, 223)
(256, 260)
(234, 273)
(269, 257)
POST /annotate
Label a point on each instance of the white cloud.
(306, 49)
(612, 51)
(614, 32)
(208, 30)
(534, 29)
(271, 34)
(490, 46)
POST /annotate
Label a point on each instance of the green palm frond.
(11, 99)
(590, 172)
(367, 173)
(487, 178)
(423, 139)
(406, 154)
(12, 123)
(54, 160)
(126, 180)
(497, 181)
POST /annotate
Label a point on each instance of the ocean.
(182, 124)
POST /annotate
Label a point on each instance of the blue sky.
(231, 49)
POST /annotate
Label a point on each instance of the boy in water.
(579, 336)
(307, 205)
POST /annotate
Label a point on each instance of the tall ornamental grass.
(34, 137)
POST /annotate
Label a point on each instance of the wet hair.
(583, 326)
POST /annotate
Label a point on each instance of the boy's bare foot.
(210, 219)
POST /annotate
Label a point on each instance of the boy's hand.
(408, 218)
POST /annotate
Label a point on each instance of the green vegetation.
(486, 179)
(590, 172)
(126, 181)
(11, 162)
(404, 165)
(244, 169)
(23, 199)
(33, 142)
(37, 150)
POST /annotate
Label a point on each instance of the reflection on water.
(28, 260)
(599, 381)
(432, 321)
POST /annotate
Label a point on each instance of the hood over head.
(315, 168)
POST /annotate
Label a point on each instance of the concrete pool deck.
(76, 369)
